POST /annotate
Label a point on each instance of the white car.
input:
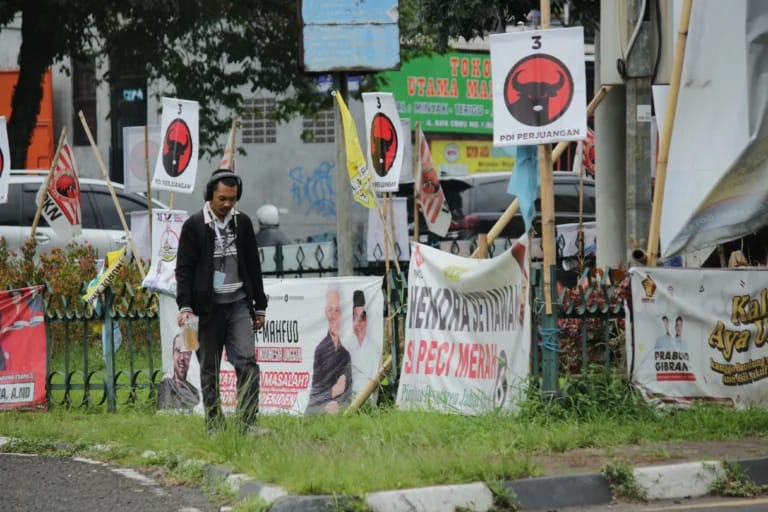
(101, 223)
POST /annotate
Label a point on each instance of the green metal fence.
(89, 369)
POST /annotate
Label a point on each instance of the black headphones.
(218, 175)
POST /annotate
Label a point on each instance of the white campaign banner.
(700, 334)
(467, 335)
(180, 388)
(176, 167)
(303, 369)
(539, 86)
(5, 161)
(166, 228)
(137, 149)
(386, 142)
(716, 186)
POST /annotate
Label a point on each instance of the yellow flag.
(114, 261)
(359, 176)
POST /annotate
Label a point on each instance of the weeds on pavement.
(736, 484)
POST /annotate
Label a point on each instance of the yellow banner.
(359, 176)
(460, 157)
(114, 261)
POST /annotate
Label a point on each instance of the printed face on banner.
(539, 96)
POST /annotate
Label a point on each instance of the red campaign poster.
(22, 349)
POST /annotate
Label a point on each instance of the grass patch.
(736, 484)
(377, 450)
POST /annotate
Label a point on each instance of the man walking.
(218, 276)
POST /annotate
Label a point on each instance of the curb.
(674, 481)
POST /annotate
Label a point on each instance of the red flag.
(431, 195)
(61, 208)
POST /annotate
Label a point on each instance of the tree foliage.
(213, 50)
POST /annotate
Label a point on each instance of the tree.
(209, 50)
(203, 50)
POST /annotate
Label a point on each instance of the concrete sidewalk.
(671, 481)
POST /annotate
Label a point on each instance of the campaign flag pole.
(228, 161)
(416, 181)
(39, 210)
(666, 135)
(104, 172)
(149, 178)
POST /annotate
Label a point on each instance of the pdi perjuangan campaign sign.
(539, 86)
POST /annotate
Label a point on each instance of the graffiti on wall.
(314, 191)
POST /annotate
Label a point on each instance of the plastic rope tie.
(549, 340)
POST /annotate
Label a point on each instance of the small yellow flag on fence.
(359, 175)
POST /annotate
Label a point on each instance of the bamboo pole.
(416, 181)
(47, 182)
(231, 146)
(666, 135)
(559, 148)
(104, 172)
(369, 388)
(149, 180)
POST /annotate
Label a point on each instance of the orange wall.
(41, 148)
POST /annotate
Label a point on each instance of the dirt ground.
(592, 460)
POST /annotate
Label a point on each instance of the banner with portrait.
(176, 167)
(166, 228)
(179, 389)
(700, 334)
(320, 346)
(386, 147)
(467, 333)
(23, 349)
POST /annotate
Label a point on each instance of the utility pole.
(638, 70)
(343, 198)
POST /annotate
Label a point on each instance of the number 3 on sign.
(536, 43)
(179, 113)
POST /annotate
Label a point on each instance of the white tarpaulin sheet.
(467, 334)
(717, 178)
(700, 334)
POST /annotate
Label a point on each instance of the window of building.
(319, 129)
(83, 98)
(256, 127)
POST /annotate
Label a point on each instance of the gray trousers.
(228, 326)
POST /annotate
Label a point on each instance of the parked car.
(477, 201)
(101, 223)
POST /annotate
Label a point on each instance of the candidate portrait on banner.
(539, 86)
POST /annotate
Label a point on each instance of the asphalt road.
(758, 504)
(61, 484)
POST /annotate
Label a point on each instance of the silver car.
(101, 223)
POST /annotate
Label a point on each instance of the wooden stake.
(369, 388)
(666, 134)
(416, 182)
(149, 180)
(104, 172)
(47, 182)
